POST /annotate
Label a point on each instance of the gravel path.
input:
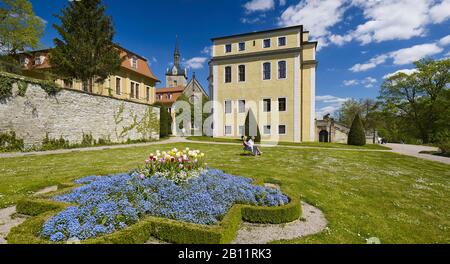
(8, 220)
(312, 222)
(413, 150)
(62, 151)
(165, 141)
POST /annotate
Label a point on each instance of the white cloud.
(368, 82)
(207, 50)
(351, 82)
(195, 63)
(330, 99)
(316, 16)
(372, 63)
(444, 41)
(330, 104)
(384, 20)
(405, 71)
(400, 57)
(440, 12)
(259, 5)
(282, 2)
(414, 53)
(389, 20)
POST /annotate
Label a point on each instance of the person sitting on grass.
(250, 146)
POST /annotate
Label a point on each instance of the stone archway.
(323, 136)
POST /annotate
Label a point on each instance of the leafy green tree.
(420, 98)
(86, 50)
(250, 120)
(165, 120)
(193, 109)
(356, 136)
(366, 108)
(20, 30)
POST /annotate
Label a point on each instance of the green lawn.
(303, 144)
(396, 198)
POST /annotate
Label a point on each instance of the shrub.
(249, 131)
(357, 136)
(165, 120)
(442, 141)
(87, 140)
(9, 142)
(52, 144)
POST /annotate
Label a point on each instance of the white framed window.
(228, 130)
(132, 90)
(241, 46)
(282, 104)
(228, 74)
(24, 61)
(169, 109)
(169, 95)
(266, 43)
(118, 86)
(282, 70)
(136, 90)
(282, 130)
(241, 73)
(228, 48)
(281, 41)
(241, 106)
(241, 131)
(147, 93)
(267, 69)
(134, 62)
(267, 107)
(267, 129)
(228, 109)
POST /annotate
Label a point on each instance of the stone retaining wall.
(71, 114)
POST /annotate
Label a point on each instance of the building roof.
(142, 67)
(194, 83)
(260, 32)
(175, 91)
(170, 89)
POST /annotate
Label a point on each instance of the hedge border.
(150, 226)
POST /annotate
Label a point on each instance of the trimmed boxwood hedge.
(162, 228)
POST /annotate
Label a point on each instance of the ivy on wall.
(10, 142)
(149, 124)
(146, 126)
(7, 80)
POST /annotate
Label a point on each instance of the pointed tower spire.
(176, 54)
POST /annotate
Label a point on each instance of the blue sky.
(360, 41)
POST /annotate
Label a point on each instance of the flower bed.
(200, 206)
(111, 203)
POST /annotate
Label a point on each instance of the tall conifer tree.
(86, 50)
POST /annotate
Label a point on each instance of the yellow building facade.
(134, 81)
(272, 73)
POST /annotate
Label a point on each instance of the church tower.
(177, 75)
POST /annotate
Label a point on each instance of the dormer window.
(39, 60)
(134, 62)
(24, 61)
